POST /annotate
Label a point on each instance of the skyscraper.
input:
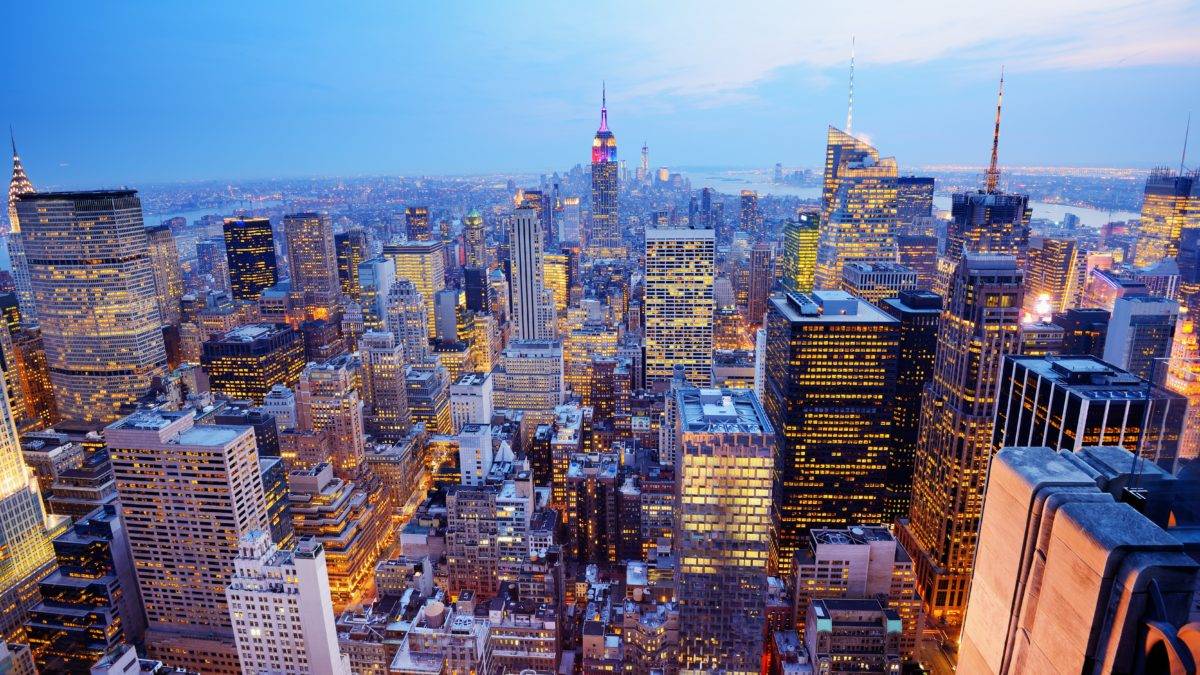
(424, 264)
(168, 278)
(19, 185)
(721, 541)
(250, 253)
(762, 278)
(351, 248)
(532, 303)
(831, 366)
(248, 361)
(858, 213)
(914, 198)
(604, 237)
(749, 216)
(1140, 333)
(188, 493)
(1170, 205)
(1055, 275)
(678, 303)
(800, 238)
(475, 239)
(406, 318)
(93, 284)
(979, 327)
(327, 399)
(384, 393)
(312, 262)
(1084, 331)
(416, 221)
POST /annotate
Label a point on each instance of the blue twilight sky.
(103, 93)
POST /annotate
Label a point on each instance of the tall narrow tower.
(19, 185)
(604, 238)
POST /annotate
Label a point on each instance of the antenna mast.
(850, 104)
(993, 172)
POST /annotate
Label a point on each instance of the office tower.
(749, 217)
(979, 327)
(914, 198)
(1171, 204)
(385, 395)
(475, 288)
(280, 403)
(351, 248)
(530, 376)
(327, 398)
(532, 304)
(423, 263)
(859, 563)
(168, 278)
(477, 554)
(831, 368)
(19, 185)
(1069, 403)
(1105, 287)
(407, 319)
(1040, 338)
(248, 361)
(91, 603)
(475, 239)
(32, 376)
(522, 637)
(721, 540)
(475, 454)
(416, 223)
(858, 635)
(250, 257)
(678, 303)
(591, 516)
(557, 278)
(93, 284)
(211, 263)
(429, 398)
(919, 253)
(322, 340)
(1139, 336)
(312, 262)
(472, 399)
(762, 278)
(874, 281)
(1084, 331)
(282, 610)
(604, 237)
(1054, 275)
(858, 212)
(1055, 529)
(375, 277)
(188, 494)
(541, 204)
(919, 313)
(800, 238)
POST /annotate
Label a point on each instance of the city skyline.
(326, 92)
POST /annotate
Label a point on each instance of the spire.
(850, 104)
(12, 140)
(603, 106)
(1182, 158)
(993, 172)
(19, 184)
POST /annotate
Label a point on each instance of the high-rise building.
(1056, 528)
(29, 374)
(875, 281)
(1140, 333)
(351, 248)
(762, 278)
(532, 303)
(416, 223)
(1171, 204)
(423, 263)
(678, 303)
(1069, 403)
(327, 399)
(212, 265)
(919, 253)
(914, 198)
(429, 398)
(800, 238)
(407, 319)
(858, 213)
(375, 277)
(475, 288)
(750, 218)
(530, 376)
(312, 262)
(604, 237)
(1084, 331)
(472, 399)
(979, 327)
(831, 367)
(721, 541)
(188, 494)
(250, 255)
(385, 395)
(919, 313)
(93, 283)
(1054, 275)
(282, 609)
(168, 278)
(248, 361)
(475, 239)
(19, 185)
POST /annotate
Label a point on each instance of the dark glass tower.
(914, 198)
(250, 254)
(351, 250)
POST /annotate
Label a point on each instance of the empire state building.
(604, 237)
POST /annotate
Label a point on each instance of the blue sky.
(104, 94)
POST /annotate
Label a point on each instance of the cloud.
(717, 53)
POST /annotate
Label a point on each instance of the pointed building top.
(19, 185)
(993, 172)
(603, 106)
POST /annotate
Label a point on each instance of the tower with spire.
(604, 238)
(18, 186)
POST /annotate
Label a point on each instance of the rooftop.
(726, 411)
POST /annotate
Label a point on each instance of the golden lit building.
(678, 303)
(557, 279)
(475, 240)
(583, 344)
(424, 264)
(1171, 203)
(312, 262)
(1054, 275)
(800, 252)
(327, 397)
(92, 279)
(859, 206)
(246, 362)
(168, 277)
(385, 395)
